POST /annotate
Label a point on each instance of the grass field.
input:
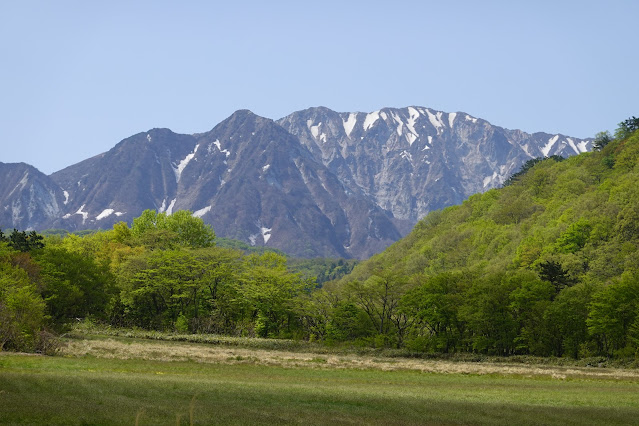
(133, 381)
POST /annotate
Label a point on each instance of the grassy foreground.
(92, 384)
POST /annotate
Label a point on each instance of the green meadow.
(135, 381)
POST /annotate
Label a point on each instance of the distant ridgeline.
(546, 265)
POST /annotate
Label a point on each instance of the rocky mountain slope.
(28, 198)
(414, 160)
(314, 183)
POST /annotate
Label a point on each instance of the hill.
(547, 265)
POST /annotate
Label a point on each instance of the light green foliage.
(21, 310)
(74, 285)
(159, 230)
(574, 238)
(268, 288)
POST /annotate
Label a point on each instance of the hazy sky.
(77, 77)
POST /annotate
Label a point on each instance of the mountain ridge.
(342, 184)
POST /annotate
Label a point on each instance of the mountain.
(28, 197)
(415, 160)
(248, 177)
(314, 183)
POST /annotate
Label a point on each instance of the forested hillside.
(546, 265)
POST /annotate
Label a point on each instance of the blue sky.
(77, 76)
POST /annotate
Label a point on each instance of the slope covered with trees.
(546, 265)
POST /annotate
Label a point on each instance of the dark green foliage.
(23, 241)
(348, 323)
(322, 269)
(553, 273)
(627, 127)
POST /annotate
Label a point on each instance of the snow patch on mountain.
(410, 125)
(84, 214)
(266, 233)
(400, 123)
(182, 165)
(162, 207)
(407, 155)
(551, 142)
(578, 148)
(169, 210)
(105, 213)
(202, 212)
(314, 129)
(489, 179)
(370, 120)
(436, 120)
(66, 197)
(451, 119)
(219, 148)
(349, 123)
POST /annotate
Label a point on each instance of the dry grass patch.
(202, 353)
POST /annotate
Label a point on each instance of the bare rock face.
(314, 183)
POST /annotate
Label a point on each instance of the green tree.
(348, 322)
(22, 315)
(601, 140)
(566, 320)
(74, 286)
(23, 241)
(529, 301)
(612, 312)
(269, 289)
(435, 306)
(626, 128)
(487, 311)
(379, 296)
(552, 272)
(160, 230)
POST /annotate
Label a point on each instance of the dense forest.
(548, 265)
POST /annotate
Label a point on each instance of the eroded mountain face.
(414, 160)
(314, 183)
